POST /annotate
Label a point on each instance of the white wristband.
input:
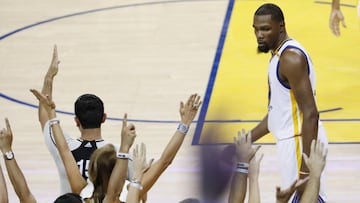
(182, 128)
(242, 170)
(136, 185)
(120, 155)
(54, 121)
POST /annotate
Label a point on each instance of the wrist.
(138, 176)
(136, 184)
(182, 128)
(7, 149)
(242, 167)
(9, 155)
(124, 149)
(314, 175)
(52, 114)
(253, 176)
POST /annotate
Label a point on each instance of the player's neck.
(281, 42)
(91, 134)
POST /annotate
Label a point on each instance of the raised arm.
(140, 167)
(244, 153)
(77, 182)
(48, 86)
(118, 174)
(3, 189)
(254, 188)
(336, 17)
(16, 176)
(188, 112)
(316, 163)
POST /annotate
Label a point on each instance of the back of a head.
(190, 200)
(89, 109)
(271, 9)
(102, 162)
(69, 198)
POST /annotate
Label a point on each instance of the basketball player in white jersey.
(292, 116)
(89, 115)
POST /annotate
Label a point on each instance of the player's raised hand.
(128, 134)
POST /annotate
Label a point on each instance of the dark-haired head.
(271, 9)
(69, 198)
(89, 109)
(269, 27)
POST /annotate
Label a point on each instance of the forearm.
(117, 180)
(168, 155)
(76, 181)
(172, 148)
(260, 130)
(238, 188)
(3, 188)
(309, 130)
(134, 192)
(311, 192)
(254, 191)
(46, 90)
(18, 181)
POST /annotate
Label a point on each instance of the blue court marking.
(213, 73)
(166, 121)
(84, 13)
(94, 11)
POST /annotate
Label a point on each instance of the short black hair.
(271, 9)
(89, 109)
(69, 198)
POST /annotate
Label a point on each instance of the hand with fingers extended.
(244, 149)
(283, 196)
(336, 17)
(140, 163)
(46, 102)
(140, 167)
(316, 161)
(189, 110)
(54, 65)
(6, 138)
(128, 134)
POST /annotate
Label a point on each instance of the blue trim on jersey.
(277, 66)
(213, 73)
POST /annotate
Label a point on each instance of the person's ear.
(104, 118)
(282, 27)
(77, 121)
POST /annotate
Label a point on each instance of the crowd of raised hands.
(247, 171)
(145, 172)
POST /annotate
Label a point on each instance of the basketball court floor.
(144, 57)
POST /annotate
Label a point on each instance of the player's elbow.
(311, 115)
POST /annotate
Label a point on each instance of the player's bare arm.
(260, 130)
(48, 85)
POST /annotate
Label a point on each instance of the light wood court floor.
(140, 57)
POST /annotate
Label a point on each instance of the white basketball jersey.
(284, 116)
